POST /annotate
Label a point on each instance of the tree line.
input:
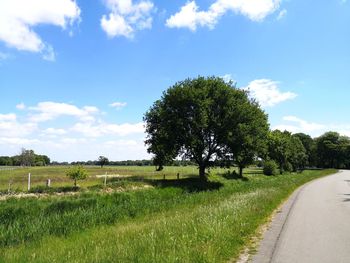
(210, 122)
(25, 158)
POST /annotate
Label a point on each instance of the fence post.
(105, 179)
(29, 182)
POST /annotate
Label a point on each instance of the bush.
(288, 167)
(270, 168)
(77, 173)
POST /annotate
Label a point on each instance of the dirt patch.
(107, 190)
(113, 175)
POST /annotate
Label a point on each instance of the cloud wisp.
(267, 92)
(191, 17)
(126, 17)
(118, 105)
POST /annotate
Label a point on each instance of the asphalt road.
(313, 226)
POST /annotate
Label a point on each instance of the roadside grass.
(175, 221)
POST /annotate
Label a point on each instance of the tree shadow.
(187, 184)
(233, 176)
(254, 172)
(347, 195)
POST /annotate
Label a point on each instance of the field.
(170, 220)
(18, 177)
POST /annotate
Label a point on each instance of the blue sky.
(77, 76)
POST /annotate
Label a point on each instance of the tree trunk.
(75, 182)
(241, 171)
(202, 175)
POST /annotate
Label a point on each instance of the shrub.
(288, 167)
(270, 168)
(76, 173)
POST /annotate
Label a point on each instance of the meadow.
(171, 220)
(16, 179)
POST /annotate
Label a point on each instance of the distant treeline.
(125, 163)
(25, 158)
(289, 151)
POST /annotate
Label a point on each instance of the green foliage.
(248, 133)
(203, 119)
(25, 158)
(77, 173)
(310, 148)
(287, 151)
(270, 167)
(102, 161)
(333, 150)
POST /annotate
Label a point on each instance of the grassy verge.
(179, 221)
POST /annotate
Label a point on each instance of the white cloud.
(295, 124)
(18, 141)
(126, 17)
(282, 14)
(53, 131)
(103, 129)
(18, 19)
(118, 105)
(10, 127)
(8, 117)
(49, 53)
(51, 110)
(228, 78)
(21, 106)
(190, 17)
(267, 92)
(299, 125)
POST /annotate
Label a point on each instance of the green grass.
(18, 178)
(175, 221)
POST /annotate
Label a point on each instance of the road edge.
(269, 241)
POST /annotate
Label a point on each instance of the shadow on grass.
(50, 190)
(254, 172)
(187, 184)
(233, 176)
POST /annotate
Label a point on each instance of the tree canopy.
(204, 120)
(102, 161)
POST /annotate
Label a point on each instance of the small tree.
(102, 161)
(27, 157)
(270, 168)
(76, 173)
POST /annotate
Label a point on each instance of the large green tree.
(332, 150)
(310, 147)
(287, 151)
(248, 134)
(198, 120)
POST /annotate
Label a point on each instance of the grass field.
(182, 220)
(18, 178)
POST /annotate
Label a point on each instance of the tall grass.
(185, 221)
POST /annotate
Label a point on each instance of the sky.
(76, 77)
